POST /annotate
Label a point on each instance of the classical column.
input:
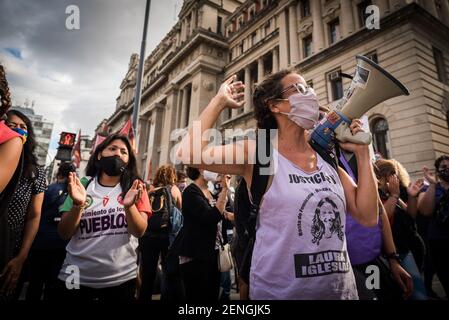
(383, 7)
(283, 41)
(318, 32)
(294, 45)
(179, 109)
(247, 107)
(275, 60)
(184, 117)
(260, 70)
(184, 30)
(347, 18)
(193, 21)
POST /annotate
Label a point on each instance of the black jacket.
(199, 231)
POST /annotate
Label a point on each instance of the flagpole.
(140, 73)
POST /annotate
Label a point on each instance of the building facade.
(42, 132)
(215, 39)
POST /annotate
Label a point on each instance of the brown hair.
(385, 168)
(165, 176)
(5, 94)
(270, 88)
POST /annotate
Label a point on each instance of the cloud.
(74, 75)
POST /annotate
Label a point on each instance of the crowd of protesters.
(105, 234)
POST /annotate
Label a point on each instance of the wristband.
(393, 256)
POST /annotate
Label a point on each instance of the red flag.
(128, 130)
(98, 139)
(76, 153)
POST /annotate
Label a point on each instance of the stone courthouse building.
(213, 40)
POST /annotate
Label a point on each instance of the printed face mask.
(23, 134)
(210, 176)
(305, 110)
(112, 166)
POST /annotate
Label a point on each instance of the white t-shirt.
(102, 247)
(300, 250)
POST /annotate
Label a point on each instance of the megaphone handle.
(343, 134)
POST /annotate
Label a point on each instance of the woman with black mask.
(103, 217)
(434, 202)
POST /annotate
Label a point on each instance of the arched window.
(381, 142)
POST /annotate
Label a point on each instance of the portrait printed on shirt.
(320, 226)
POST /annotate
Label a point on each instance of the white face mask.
(305, 110)
(210, 176)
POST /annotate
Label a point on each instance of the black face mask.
(444, 174)
(113, 166)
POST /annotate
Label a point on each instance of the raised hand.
(414, 188)
(430, 177)
(230, 93)
(355, 127)
(76, 190)
(134, 194)
(393, 185)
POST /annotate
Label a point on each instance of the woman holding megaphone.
(300, 247)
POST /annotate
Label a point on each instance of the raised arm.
(426, 200)
(137, 221)
(194, 150)
(361, 199)
(70, 220)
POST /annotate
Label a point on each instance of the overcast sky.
(74, 75)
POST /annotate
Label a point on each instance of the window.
(267, 28)
(305, 8)
(253, 38)
(379, 129)
(227, 114)
(310, 83)
(334, 31)
(362, 11)
(440, 65)
(439, 8)
(241, 49)
(187, 107)
(219, 23)
(307, 46)
(252, 13)
(372, 56)
(230, 56)
(241, 21)
(336, 85)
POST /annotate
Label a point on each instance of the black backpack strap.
(259, 182)
(170, 200)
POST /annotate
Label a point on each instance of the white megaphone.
(370, 86)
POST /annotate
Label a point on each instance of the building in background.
(213, 40)
(42, 132)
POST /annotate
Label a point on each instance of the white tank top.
(300, 249)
